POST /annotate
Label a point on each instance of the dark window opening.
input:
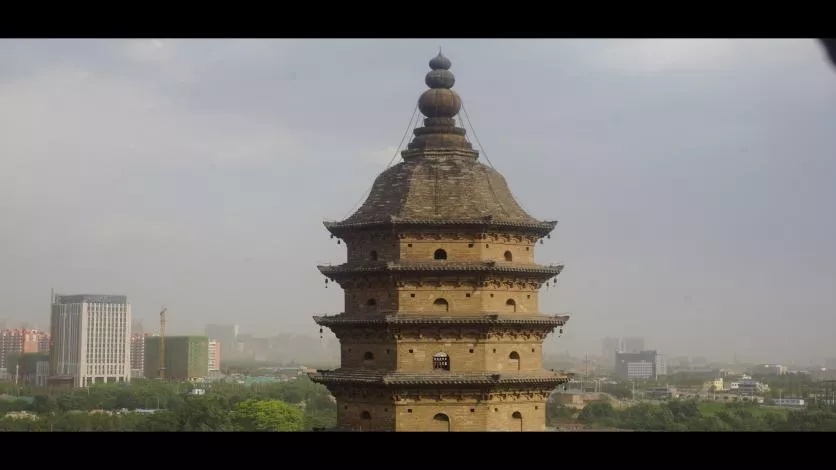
(509, 256)
(371, 302)
(467, 295)
(441, 305)
(440, 254)
(511, 305)
(470, 245)
(373, 255)
(441, 361)
(514, 359)
(368, 356)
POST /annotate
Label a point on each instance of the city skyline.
(667, 162)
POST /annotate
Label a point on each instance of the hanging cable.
(410, 126)
(487, 159)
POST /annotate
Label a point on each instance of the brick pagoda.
(441, 330)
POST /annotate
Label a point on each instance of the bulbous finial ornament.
(440, 62)
(440, 101)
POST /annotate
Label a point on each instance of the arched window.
(517, 416)
(441, 422)
(373, 255)
(371, 303)
(440, 254)
(441, 305)
(441, 361)
(511, 305)
(509, 256)
(514, 359)
(368, 356)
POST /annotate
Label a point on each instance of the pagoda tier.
(535, 272)
(395, 319)
(546, 379)
(485, 224)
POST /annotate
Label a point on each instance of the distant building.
(18, 341)
(186, 357)
(609, 348)
(822, 374)
(749, 387)
(214, 355)
(29, 368)
(91, 339)
(769, 369)
(138, 354)
(789, 402)
(662, 393)
(641, 365)
(634, 345)
(227, 335)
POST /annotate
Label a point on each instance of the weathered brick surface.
(440, 188)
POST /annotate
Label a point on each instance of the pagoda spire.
(439, 105)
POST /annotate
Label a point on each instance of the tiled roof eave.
(535, 226)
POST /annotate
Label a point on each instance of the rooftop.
(440, 179)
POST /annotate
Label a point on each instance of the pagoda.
(441, 329)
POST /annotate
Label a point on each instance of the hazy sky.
(693, 179)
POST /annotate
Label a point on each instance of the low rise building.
(769, 369)
(30, 369)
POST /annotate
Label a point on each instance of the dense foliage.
(692, 416)
(297, 405)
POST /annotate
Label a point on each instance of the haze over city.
(692, 178)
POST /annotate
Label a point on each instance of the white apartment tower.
(91, 338)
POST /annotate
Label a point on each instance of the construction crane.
(162, 342)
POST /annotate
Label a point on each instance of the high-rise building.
(227, 335)
(214, 355)
(640, 365)
(441, 329)
(609, 348)
(91, 339)
(138, 355)
(632, 345)
(18, 341)
(186, 357)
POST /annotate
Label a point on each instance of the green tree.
(267, 415)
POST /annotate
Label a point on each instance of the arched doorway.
(441, 305)
(365, 421)
(441, 361)
(441, 423)
(510, 305)
(517, 417)
(514, 360)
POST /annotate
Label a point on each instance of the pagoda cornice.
(343, 271)
(384, 378)
(485, 224)
(417, 319)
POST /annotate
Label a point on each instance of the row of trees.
(288, 406)
(690, 416)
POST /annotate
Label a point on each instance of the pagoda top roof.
(440, 178)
